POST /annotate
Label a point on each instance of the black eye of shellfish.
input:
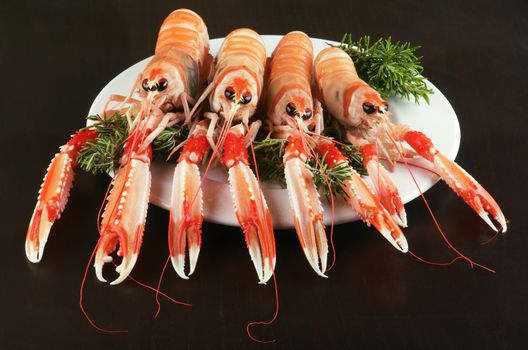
(144, 85)
(290, 109)
(246, 99)
(229, 92)
(162, 84)
(369, 108)
(307, 115)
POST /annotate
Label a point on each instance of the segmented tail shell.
(337, 81)
(185, 30)
(240, 65)
(290, 70)
(242, 49)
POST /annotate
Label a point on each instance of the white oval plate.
(438, 120)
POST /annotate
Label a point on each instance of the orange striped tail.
(185, 30)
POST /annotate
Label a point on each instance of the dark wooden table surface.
(55, 56)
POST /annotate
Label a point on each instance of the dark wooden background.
(55, 56)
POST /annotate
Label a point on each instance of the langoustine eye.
(144, 85)
(290, 109)
(246, 99)
(369, 108)
(162, 84)
(229, 92)
(307, 115)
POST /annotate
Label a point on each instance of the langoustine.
(290, 112)
(234, 93)
(365, 117)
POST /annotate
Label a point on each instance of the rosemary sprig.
(332, 180)
(329, 180)
(167, 140)
(269, 155)
(389, 67)
(355, 159)
(103, 154)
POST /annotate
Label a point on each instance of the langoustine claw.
(251, 209)
(458, 179)
(125, 214)
(53, 194)
(306, 205)
(360, 197)
(386, 189)
(186, 213)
